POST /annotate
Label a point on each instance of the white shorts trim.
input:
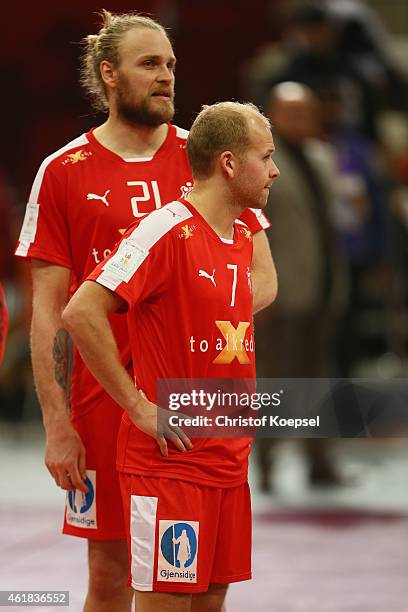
(143, 511)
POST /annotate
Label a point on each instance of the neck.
(130, 140)
(217, 207)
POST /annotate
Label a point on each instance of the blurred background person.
(341, 41)
(361, 222)
(294, 338)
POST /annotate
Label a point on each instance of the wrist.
(56, 421)
(137, 405)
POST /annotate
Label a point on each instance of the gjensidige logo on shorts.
(80, 506)
(178, 548)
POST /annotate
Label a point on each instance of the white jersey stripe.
(29, 228)
(133, 160)
(143, 512)
(181, 133)
(263, 221)
(35, 190)
(134, 249)
(158, 223)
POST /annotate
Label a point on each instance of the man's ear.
(108, 73)
(228, 163)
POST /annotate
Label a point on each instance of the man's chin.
(162, 108)
(153, 116)
(260, 205)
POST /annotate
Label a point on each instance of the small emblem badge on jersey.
(186, 189)
(178, 550)
(81, 507)
(29, 228)
(126, 260)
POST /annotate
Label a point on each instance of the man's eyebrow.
(171, 60)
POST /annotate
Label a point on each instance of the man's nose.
(274, 173)
(166, 74)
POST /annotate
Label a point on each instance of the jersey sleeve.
(255, 219)
(136, 270)
(45, 233)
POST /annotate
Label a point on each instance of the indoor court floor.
(338, 550)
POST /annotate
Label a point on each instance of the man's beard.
(142, 113)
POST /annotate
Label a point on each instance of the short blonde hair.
(217, 128)
(105, 46)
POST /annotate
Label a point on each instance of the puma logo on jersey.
(94, 196)
(209, 276)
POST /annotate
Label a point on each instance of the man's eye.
(148, 63)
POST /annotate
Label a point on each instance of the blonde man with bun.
(82, 199)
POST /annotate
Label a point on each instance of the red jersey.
(83, 198)
(189, 316)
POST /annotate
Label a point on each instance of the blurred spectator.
(362, 224)
(396, 146)
(323, 46)
(367, 45)
(294, 336)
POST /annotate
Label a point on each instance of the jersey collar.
(114, 157)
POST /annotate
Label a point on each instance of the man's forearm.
(64, 452)
(49, 342)
(86, 319)
(91, 332)
(49, 354)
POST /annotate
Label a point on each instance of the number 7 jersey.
(189, 298)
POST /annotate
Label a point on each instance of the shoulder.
(152, 228)
(181, 133)
(244, 232)
(52, 168)
(179, 138)
(72, 153)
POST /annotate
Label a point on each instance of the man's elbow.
(266, 295)
(271, 293)
(73, 315)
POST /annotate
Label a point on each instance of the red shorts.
(98, 515)
(183, 536)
